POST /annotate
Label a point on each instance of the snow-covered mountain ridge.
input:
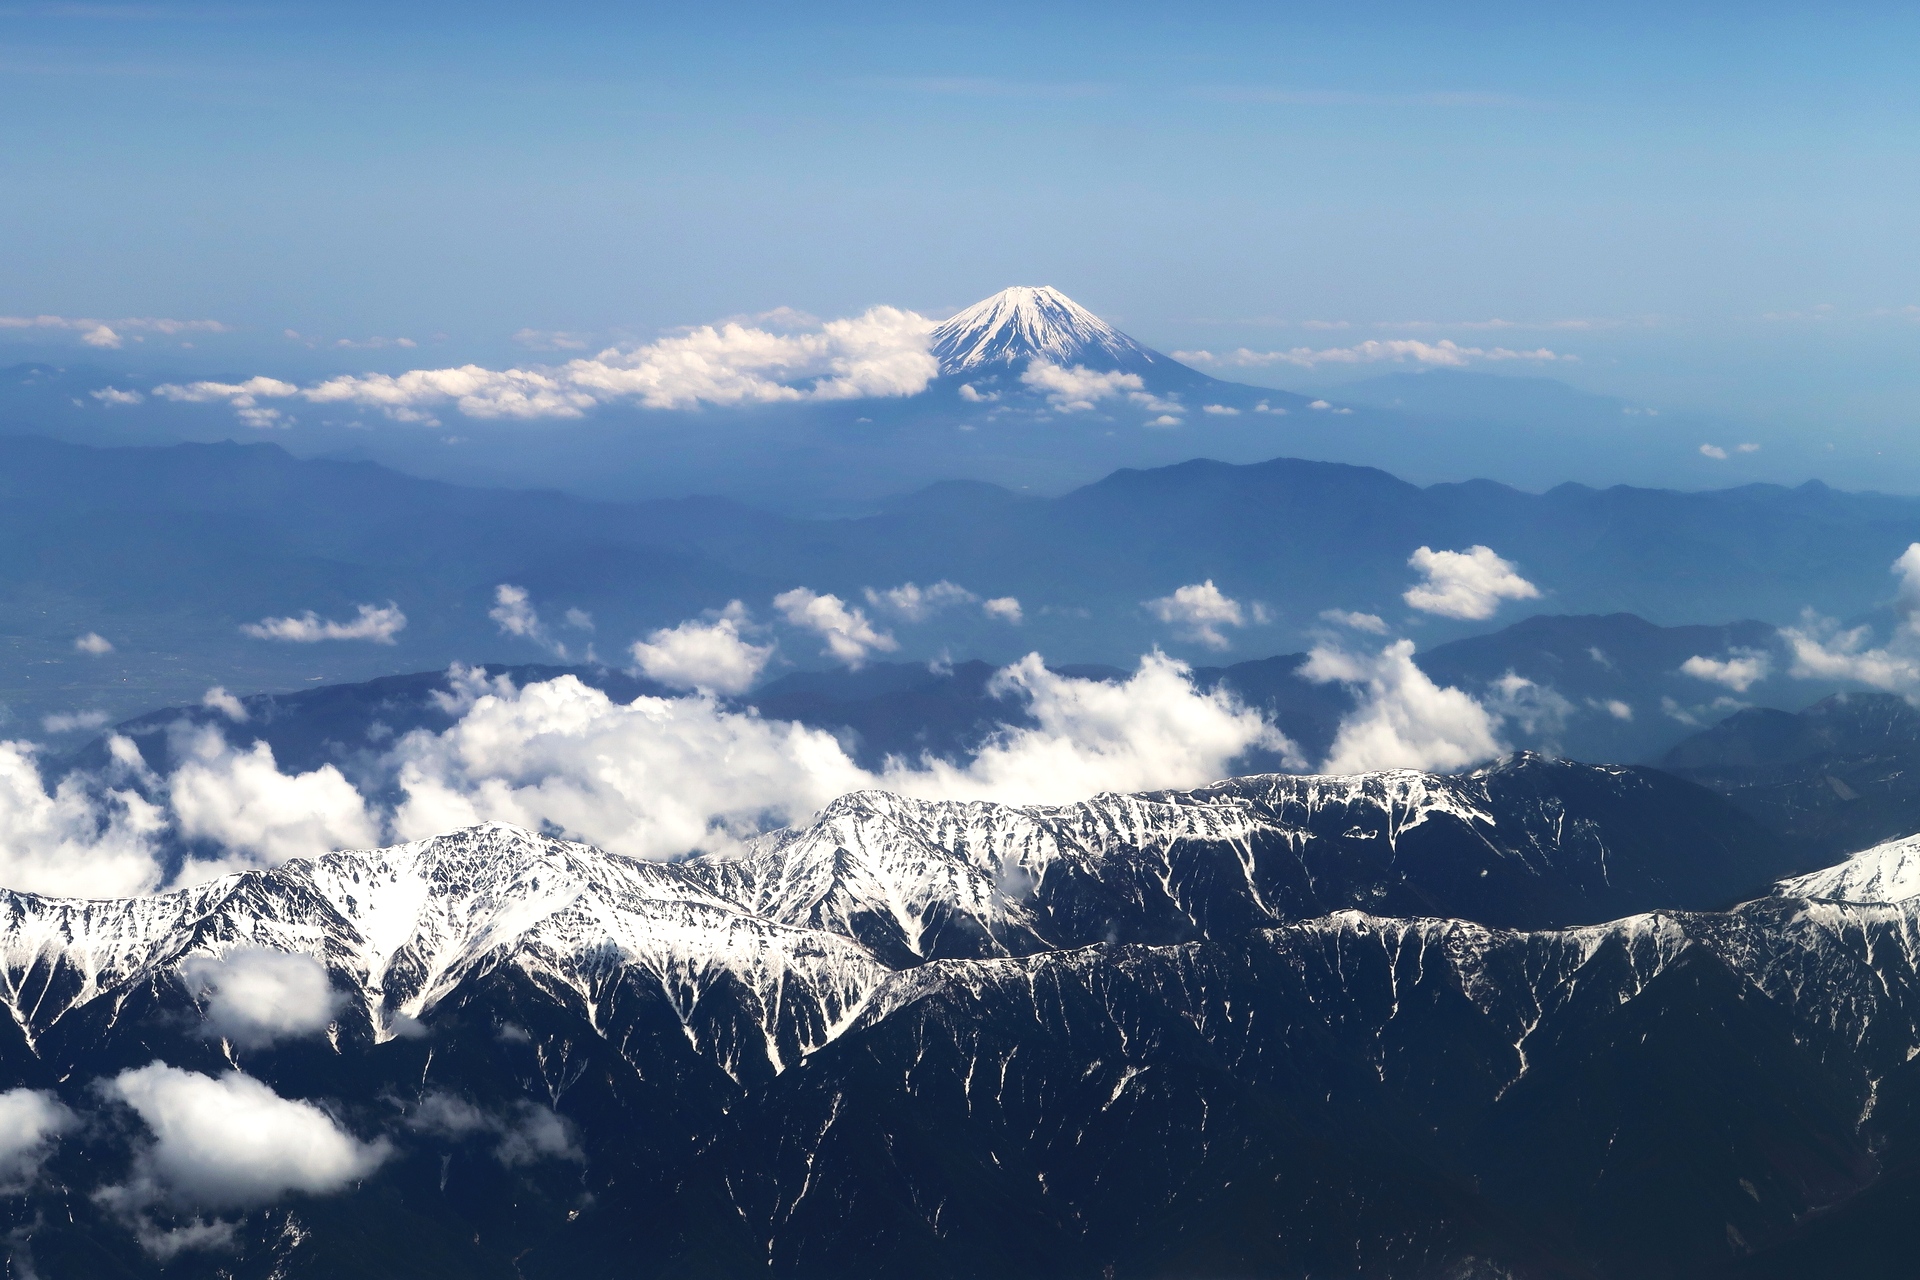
(1185, 1032)
(808, 921)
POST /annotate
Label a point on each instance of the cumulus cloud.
(915, 603)
(82, 838)
(1076, 389)
(1005, 608)
(224, 1143)
(711, 654)
(1403, 720)
(1152, 730)
(1713, 451)
(378, 624)
(1739, 671)
(1197, 611)
(660, 777)
(1466, 584)
(851, 638)
(113, 395)
(528, 1134)
(1444, 354)
(31, 1122)
(882, 352)
(218, 699)
(514, 614)
(255, 997)
(94, 643)
(1536, 708)
(1822, 649)
(239, 801)
(245, 397)
(652, 778)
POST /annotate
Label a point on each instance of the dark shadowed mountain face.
(1148, 1036)
(1840, 776)
(167, 552)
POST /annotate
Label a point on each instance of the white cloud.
(1616, 708)
(1005, 608)
(1149, 731)
(245, 397)
(113, 395)
(653, 778)
(915, 603)
(1713, 451)
(882, 352)
(1198, 611)
(256, 997)
(82, 838)
(1220, 410)
(579, 619)
(1822, 650)
(107, 334)
(1739, 671)
(31, 1122)
(713, 654)
(258, 815)
(70, 721)
(225, 1143)
(94, 643)
(378, 624)
(514, 614)
(531, 1134)
(850, 637)
(1077, 389)
(1404, 720)
(1536, 708)
(1466, 584)
(551, 340)
(218, 699)
(659, 777)
(1444, 354)
(1372, 623)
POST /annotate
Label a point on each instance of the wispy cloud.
(1295, 97)
(376, 623)
(111, 334)
(988, 87)
(1445, 354)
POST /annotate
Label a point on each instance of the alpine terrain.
(1504, 1023)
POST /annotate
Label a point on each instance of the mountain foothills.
(1282, 1025)
(166, 553)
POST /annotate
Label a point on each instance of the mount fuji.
(1025, 323)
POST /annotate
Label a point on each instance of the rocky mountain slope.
(1271, 1027)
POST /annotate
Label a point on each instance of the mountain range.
(1284, 1026)
(168, 552)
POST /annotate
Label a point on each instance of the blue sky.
(1711, 206)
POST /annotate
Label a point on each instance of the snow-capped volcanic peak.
(1019, 324)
